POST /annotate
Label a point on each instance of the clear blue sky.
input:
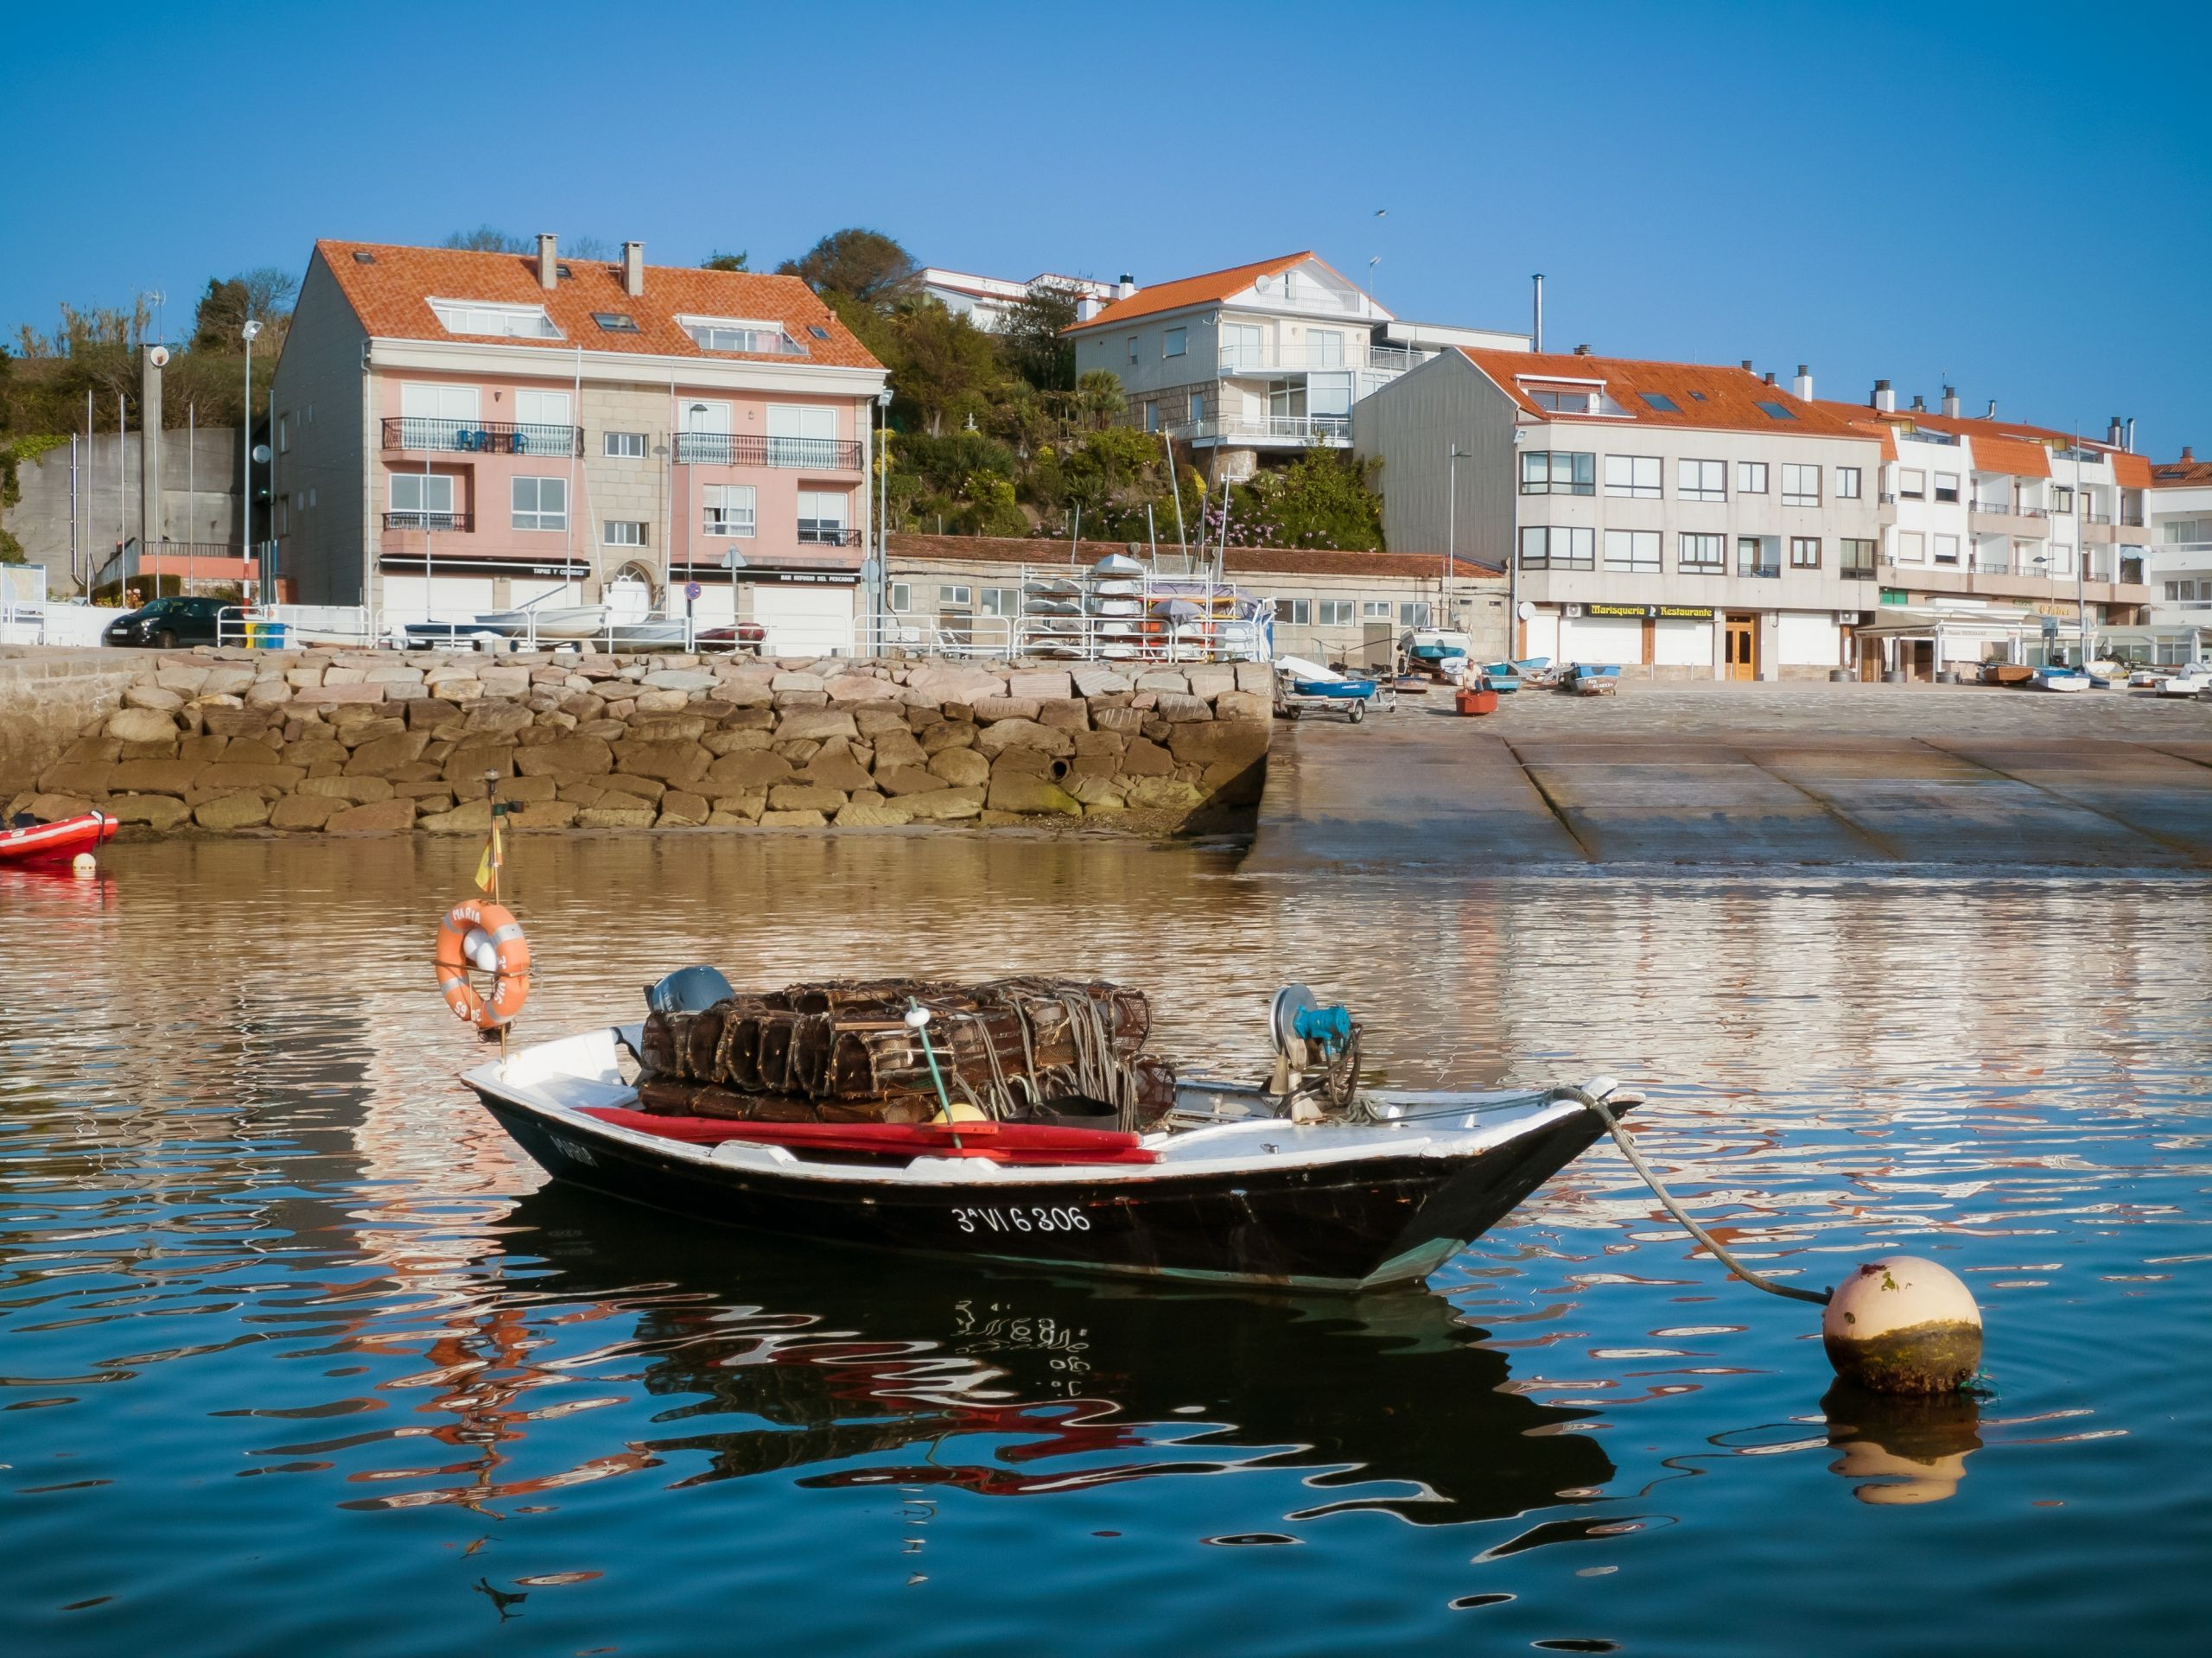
(2017, 198)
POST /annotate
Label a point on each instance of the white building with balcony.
(461, 432)
(986, 300)
(2179, 627)
(1261, 361)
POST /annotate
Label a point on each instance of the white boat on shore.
(565, 622)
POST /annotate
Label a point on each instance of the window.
(1324, 348)
(1543, 548)
(1801, 485)
(615, 321)
(541, 503)
(508, 322)
(1198, 405)
(1151, 415)
(1661, 402)
(622, 532)
(1132, 348)
(420, 502)
(1946, 486)
(1858, 555)
(1563, 400)
(1912, 547)
(822, 515)
(1912, 484)
(1750, 478)
(1375, 610)
(283, 514)
(1174, 342)
(2062, 497)
(1777, 411)
(1299, 613)
(1701, 480)
(801, 436)
(1633, 475)
(542, 423)
(1751, 558)
(1947, 549)
(729, 509)
(1700, 552)
(1339, 612)
(1804, 552)
(1846, 483)
(1002, 601)
(1547, 472)
(283, 435)
(1412, 612)
(1633, 550)
(902, 596)
(626, 446)
(732, 333)
(953, 595)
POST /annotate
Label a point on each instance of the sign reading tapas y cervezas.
(1654, 613)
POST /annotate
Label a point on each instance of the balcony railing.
(1856, 572)
(422, 435)
(728, 449)
(2098, 518)
(1303, 428)
(1760, 568)
(462, 522)
(828, 535)
(1259, 360)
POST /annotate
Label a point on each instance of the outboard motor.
(1323, 1041)
(688, 990)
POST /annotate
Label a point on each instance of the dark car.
(168, 623)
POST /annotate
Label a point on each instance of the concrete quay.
(1747, 775)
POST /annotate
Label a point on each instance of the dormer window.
(1574, 397)
(504, 321)
(736, 335)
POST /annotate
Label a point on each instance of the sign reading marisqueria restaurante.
(1658, 613)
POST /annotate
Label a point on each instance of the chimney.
(1884, 399)
(1769, 377)
(633, 268)
(1951, 401)
(1582, 350)
(1537, 324)
(1991, 414)
(2188, 454)
(549, 265)
(1747, 366)
(1919, 404)
(1127, 287)
(1801, 387)
(2115, 432)
(2130, 444)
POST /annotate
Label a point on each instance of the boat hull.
(60, 840)
(1347, 1226)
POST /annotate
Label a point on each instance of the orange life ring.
(495, 935)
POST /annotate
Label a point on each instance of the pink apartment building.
(458, 432)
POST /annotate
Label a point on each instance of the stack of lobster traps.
(1020, 1050)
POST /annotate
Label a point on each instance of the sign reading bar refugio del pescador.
(1661, 613)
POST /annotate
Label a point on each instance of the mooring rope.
(1818, 1298)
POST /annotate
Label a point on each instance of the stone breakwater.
(362, 742)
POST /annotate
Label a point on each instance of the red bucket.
(1470, 700)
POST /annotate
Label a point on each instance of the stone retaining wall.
(46, 697)
(358, 742)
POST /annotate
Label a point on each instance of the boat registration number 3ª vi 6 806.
(1020, 1218)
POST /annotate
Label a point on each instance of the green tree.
(1323, 499)
(1031, 338)
(944, 368)
(861, 264)
(720, 261)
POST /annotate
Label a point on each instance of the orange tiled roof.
(2131, 471)
(2182, 473)
(2017, 456)
(1705, 398)
(392, 298)
(1188, 291)
(2009, 439)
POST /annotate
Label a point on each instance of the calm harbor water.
(296, 1354)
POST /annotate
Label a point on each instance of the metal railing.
(2097, 518)
(828, 535)
(422, 435)
(1855, 572)
(1304, 429)
(729, 450)
(462, 522)
(299, 624)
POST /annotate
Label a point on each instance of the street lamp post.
(245, 451)
(880, 590)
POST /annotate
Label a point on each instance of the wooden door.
(1739, 647)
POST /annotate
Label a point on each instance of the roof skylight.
(1776, 411)
(486, 317)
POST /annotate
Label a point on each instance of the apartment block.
(2178, 627)
(457, 432)
(1259, 362)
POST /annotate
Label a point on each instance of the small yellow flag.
(489, 863)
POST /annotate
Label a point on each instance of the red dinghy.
(63, 839)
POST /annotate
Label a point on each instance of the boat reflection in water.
(851, 1369)
(1905, 1448)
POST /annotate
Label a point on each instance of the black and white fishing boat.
(784, 1113)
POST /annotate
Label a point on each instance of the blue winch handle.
(1329, 1026)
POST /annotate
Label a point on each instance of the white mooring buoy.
(1903, 1325)
(83, 866)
